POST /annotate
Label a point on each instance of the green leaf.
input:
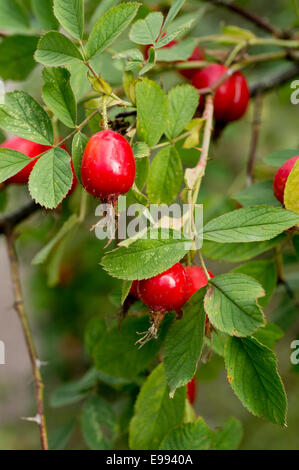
(43, 10)
(44, 253)
(21, 115)
(51, 178)
(182, 104)
(269, 335)
(73, 392)
(190, 436)
(280, 157)
(265, 272)
(165, 176)
(116, 353)
(78, 146)
(59, 438)
(252, 373)
(236, 31)
(16, 57)
(141, 150)
(11, 162)
(13, 16)
(173, 33)
(70, 14)
(229, 436)
(109, 27)
(257, 194)
(252, 224)
(237, 252)
(97, 418)
(172, 13)
(155, 413)
(55, 49)
(142, 170)
(58, 95)
(184, 343)
(151, 111)
(95, 330)
(231, 304)
(146, 31)
(145, 258)
(180, 51)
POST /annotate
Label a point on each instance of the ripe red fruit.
(196, 279)
(232, 96)
(191, 391)
(281, 177)
(197, 54)
(31, 149)
(166, 291)
(108, 165)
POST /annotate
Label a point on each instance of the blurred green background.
(59, 314)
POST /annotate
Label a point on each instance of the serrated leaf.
(116, 353)
(252, 373)
(229, 436)
(55, 49)
(13, 16)
(151, 101)
(51, 178)
(11, 162)
(236, 31)
(142, 170)
(16, 57)
(147, 30)
(98, 416)
(58, 95)
(265, 272)
(79, 143)
(141, 150)
(291, 192)
(251, 224)
(280, 157)
(109, 27)
(180, 51)
(146, 258)
(155, 413)
(189, 436)
(173, 11)
(21, 115)
(231, 304)
(257, 194)
(184, 343)
(43, 10)
(174, 33)
(70, 14)
(44, 253)
(182, 104)
(165, 176)
(236, 252)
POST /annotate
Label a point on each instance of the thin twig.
(254, 137)
(8, 222)
(252, 17)
(35, 364)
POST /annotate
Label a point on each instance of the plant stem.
(78, 128)
(254, 138)
(20, 309)
(104, 114)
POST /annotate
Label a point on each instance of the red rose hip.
(281, 177)
(197, 54)
(231, 97)
(166, 291)
(191, 391)
(196, 279)
(108, 165)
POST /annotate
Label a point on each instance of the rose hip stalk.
(162, 293)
